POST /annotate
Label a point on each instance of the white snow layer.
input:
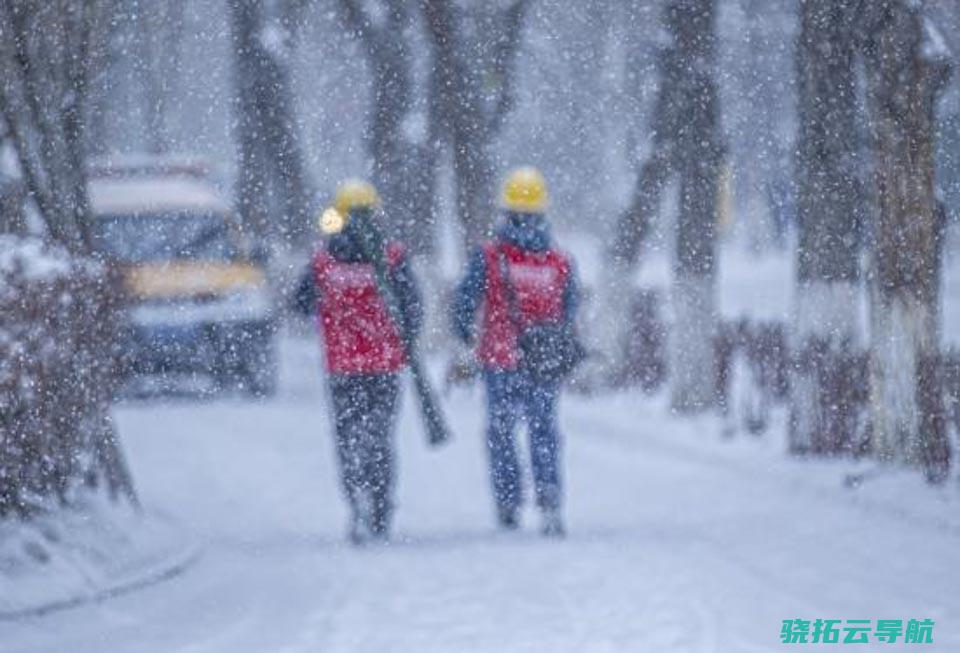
(85, 554)
(678, 541)
(134, 195)
(31, 257)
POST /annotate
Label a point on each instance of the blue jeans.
(511, 395)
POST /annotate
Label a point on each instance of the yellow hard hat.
(331, 221)
(525, 191)
(355, 194)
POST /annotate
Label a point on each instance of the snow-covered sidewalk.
(678, 541)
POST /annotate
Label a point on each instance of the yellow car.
(199, 298)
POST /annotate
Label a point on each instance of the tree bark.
(686, 144)
(272, 191)
(826, 333)
(397, 137)
(47, 52)
(694, 110)
(475, 94)
(635, 223)
(905, 72)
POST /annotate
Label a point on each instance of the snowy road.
(678, 541)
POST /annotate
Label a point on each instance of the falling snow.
(385, 325)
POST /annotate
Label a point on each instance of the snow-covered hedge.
(58, 362)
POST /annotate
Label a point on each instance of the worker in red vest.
(516, 282)
(364, 352)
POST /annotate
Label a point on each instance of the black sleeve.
(408, 296)
(469, 295)
(306, 297)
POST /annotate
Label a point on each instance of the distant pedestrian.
(364, 351)
(525, 291)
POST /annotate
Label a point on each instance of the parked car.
(199, 300)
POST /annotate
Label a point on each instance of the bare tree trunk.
(685, 143)
(251, 182)
(47, 52)
(762, 94)
(474, 79)
(609, 313)
(693, 334)
(826, 333)
(159, 34)
(12, 216)
(476, 179)
(699, 155)
(634, 225)
(403, 159)
(270, 162)
(662, 163)
(905, 73)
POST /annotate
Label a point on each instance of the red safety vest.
(538, 279)
(358, 333)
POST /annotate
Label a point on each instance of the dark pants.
(365, 409)
(511, 395)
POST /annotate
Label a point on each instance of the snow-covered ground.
(679, 541)
(99, 550)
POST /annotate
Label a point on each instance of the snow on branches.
(58, 365)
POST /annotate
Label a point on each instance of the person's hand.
(463, 368)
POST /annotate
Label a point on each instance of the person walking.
(525, 293)
(364, 351)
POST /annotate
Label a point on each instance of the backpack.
(548, 352)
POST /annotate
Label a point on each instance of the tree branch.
(447, 74)
(358, 21)
(14, 99)
(506, 54)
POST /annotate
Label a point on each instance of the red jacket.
(538, 280)
(358, 333)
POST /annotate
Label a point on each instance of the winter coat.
(359, 335)
(544, 283)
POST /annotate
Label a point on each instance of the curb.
(179, 566)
